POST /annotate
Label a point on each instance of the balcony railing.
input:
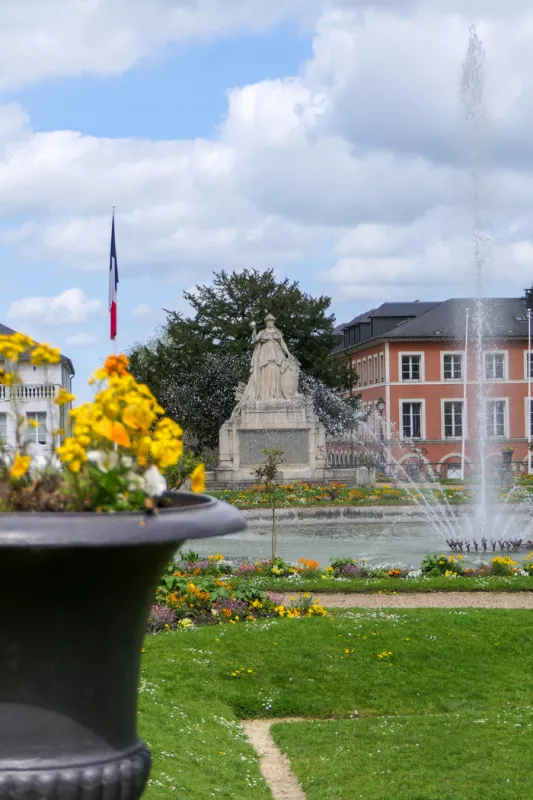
(29, 391)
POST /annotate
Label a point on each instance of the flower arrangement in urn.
(98, 531)
(114, 456)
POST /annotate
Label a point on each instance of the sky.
(323, 138)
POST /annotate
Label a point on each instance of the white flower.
(135, 482)
(41, 464)
(154, 483)
(126, 461)
(104, 461)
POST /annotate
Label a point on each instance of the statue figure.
(273, 371)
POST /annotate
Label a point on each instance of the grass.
(323, 586)
(442, 757)
(445, 662)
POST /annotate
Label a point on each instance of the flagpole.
(113, 283)
(115, 339)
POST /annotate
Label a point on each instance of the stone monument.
(270, 412)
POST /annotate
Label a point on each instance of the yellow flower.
(33, 423)
(12, 346)
(44, 354)
(64, 397)
(73, 454)
(198, 478)
(8, 378)
(20, 466)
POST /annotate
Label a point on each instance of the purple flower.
(160, 617)
(350, 570)
(235, 606)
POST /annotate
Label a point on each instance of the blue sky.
(180, 93)
(323, 138)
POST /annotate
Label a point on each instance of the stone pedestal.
(287, 425)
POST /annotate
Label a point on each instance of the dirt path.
(274, 765)
(429, 600)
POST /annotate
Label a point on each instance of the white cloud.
(142, 310)
(355, 166)
(81, 340)
(68, 307)
(52, 38)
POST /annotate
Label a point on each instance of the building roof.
(504, 317)
(413, 309)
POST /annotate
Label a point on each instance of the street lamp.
(380, 405)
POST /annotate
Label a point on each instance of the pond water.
(407, 542)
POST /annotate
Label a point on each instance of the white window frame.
(452, 353)
(505, 434)
(505, 355)
(364, 372)
(376, 373)
(443, 402)
(382, 367)
(525, 363)
(370, 371)
(359, 373)
(32, 434)
(3, 418)
(420, 354)
(422, 402)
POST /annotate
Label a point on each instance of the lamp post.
(380, 405)
(528, 299)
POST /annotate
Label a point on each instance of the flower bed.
(217, 590)
(197, 591)
(310, 494)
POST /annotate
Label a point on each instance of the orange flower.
(114, 431)
(116, 366)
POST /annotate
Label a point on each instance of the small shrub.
(435, 565)
(504, 565)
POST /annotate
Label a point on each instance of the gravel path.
(274, 765)
(426, 600)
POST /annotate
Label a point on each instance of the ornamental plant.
(114, 456)
(435, 565)
(504, 565)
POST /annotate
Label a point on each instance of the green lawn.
(475, 662)
(322, 586)
(470, 756)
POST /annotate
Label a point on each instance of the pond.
(407, 542)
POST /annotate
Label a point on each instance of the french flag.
(113, 283)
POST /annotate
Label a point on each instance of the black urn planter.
(75, 593)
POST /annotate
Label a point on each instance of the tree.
(199, 395)
(268, 474)
(224, 310)
(195, 363)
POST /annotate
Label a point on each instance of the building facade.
(33, 399)
(420, 383)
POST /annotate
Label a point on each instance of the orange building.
(411, 362)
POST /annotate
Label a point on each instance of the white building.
(34, 399)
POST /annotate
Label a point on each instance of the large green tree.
(196, 361)
(224, 310)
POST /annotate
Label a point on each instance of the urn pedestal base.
(116, 779)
